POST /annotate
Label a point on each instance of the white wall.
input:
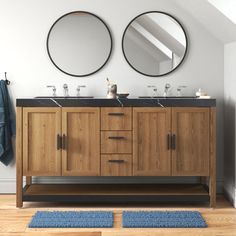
(23, 30)
(229, 121)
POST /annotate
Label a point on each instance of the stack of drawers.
(116, 141)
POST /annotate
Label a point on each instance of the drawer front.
(116, 118)
(116, 142)
(116, 165)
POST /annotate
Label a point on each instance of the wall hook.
(7, 81)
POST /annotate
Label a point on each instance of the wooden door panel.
(191, 155)
(41, 156)
(81, 126)
(150, 143)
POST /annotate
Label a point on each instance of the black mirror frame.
(186, 50)
(74, 75)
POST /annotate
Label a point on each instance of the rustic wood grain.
(81, 126)
(221, 220)
(116, 122)
(151, 127)
(191, 127)
(40, 129)
(114, 146)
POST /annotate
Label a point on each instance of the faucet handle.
(154, 87)
(179, 89)
(78, 89)
(53, 89)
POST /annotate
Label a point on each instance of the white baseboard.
(8, 185)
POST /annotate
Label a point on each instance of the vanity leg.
(212, 192)
(212, 177)
(19, 161)
(28, 180)
(19, 189)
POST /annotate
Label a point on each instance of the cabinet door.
(41, 130)
(191, 129)
(151, 149)
(81, 151)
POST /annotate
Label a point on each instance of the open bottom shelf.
(107, 193)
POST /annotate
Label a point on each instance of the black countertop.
(126, 102)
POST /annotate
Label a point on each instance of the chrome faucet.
(154, 87)
(155, 96)
(53, 89)
(179, 90)
(65, 90)
(78, 89)
(167, 87)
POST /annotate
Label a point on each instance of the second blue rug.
(163, 219)
(72, 219)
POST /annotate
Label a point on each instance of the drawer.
(116, 118)
(116, 142)
(116, 165)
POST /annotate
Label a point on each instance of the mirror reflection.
(154, 44)
(79, 43)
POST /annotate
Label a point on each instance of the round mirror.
(154, 44)
(79, 43)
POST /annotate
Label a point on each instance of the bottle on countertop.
(199, 93)
(111, 89)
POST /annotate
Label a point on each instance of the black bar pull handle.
(116, 114)
(116, 137)
(168, 141)
(63, 142)
(116, 161)
(173, 142)
(58, 142)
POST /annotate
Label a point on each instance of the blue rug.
(163, 219)
(72, 219)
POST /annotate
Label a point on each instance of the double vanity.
(125, 138)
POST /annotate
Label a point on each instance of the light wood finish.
(116, 122)
(151, 156)
(109, 143)
(191, 155)
(28, 180)
(116, 168)
(116, 189)
(81, 126)
(212, 178)
(40, 129)
(19, 157)
(221, 220)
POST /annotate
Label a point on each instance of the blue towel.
(7, 125)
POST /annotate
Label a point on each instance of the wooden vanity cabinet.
(41, 131)
(191, 137)
(151, 141)
(171, 141)
(81, 141)
(61, 141)
(117, 141)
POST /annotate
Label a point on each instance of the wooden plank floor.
(13, 221)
